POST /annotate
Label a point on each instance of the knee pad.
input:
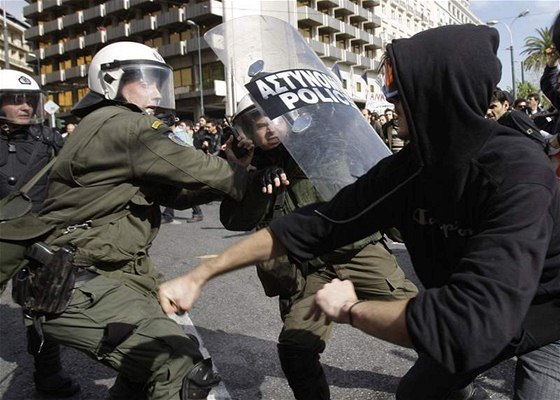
(199, 381)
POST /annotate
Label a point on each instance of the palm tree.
(535, 47)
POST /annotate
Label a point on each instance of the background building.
(65, 34)
(16, 45)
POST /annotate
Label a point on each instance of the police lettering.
(288, 90)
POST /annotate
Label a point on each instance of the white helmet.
(123, 62)
(245, 116)
(21, 99)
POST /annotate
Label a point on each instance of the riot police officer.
(26, 146)
(368, 262)
(105, 192)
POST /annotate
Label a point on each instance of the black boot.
(199, 381)
(48, 376)
(304, 373)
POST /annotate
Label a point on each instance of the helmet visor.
(21, 108)
(149, 86)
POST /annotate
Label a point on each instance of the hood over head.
(445, 77)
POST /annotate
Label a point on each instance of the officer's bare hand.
(333, 300)
(178, 295)
(272, 178)
(232, 147)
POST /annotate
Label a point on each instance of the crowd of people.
(457, 190)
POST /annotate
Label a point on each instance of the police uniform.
(24, 150)
(105, 194)
(367, 263)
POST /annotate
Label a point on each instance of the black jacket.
(476, 202)
(23, 152)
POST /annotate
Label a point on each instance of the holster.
(46, 284)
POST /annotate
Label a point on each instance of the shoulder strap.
(25, 188)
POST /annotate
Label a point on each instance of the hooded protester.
(478, 207)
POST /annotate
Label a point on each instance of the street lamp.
(494, 22)
(190, 22)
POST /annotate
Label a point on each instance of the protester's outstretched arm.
(178, 295)
(383, 319)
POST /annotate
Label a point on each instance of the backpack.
(19, 228)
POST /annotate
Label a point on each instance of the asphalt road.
(238, 326)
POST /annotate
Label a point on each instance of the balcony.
(346, 7)
(115, 6)
(319, 48)
(349, 58)
(147, 6)
(54, 25)
(145, 24)
(362, 37)
(77, 3)
(361, 15)
(93, 13)
(205, 9)
(173, 49)
(56, 76)
(370, 3)
(54, 50)
(79, 71)
(373, 21)
(374, 42)
(95, 38)
(333, 53)
(347, 32)
(118, 32)
(33, 10)
(75, 44)
(309, 17)
(34, 32)
(73, 19)
(171, 19)
(327, 3)
(49, 4)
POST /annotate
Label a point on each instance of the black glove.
(266, 177)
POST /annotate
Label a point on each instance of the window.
(305, 32)
(65, 99)
(358, 86)
(325, 38)
(212, 72)
(65, 64)
(183, 77)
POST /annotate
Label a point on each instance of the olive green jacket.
(111, 177)
(258, 209)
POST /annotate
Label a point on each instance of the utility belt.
(46, 284)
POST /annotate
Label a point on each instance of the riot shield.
(321, 126)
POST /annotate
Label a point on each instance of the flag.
(364, 77)
(336, 70)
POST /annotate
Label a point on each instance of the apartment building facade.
(18, 49)
(65, 34)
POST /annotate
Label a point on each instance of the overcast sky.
(541, 14)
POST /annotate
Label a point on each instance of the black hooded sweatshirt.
(476, 202)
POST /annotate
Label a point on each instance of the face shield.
(144, 84)
(389, 88)
(21, 107)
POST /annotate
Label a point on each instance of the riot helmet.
(251, 123)
(133, 73)
(21, 98)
